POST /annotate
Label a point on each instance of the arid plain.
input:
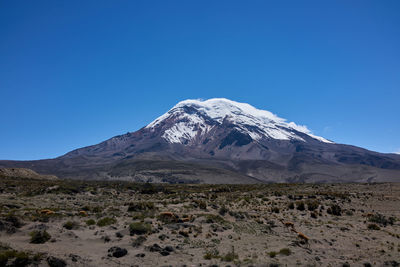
(75, 223)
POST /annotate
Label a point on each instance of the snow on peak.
(244, 116)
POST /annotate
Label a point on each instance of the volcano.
(220, 141)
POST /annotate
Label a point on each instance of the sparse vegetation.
(300, 205)
(373, 226)
(139, 228)
(382, 220)
(71, 225)
(334, 210)
(106, 221)
(285, 252)
(141, 206)
(199, 222)
(90, 222)
(39, 237)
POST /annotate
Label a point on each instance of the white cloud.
(397, 152)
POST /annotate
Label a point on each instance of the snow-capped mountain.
(195, 118)
(220, 141)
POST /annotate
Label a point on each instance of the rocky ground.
(72, 223)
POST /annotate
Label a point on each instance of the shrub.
(285, 251)
(275, 209)
(69, 225)
(300, 205)
(272, 254)
(373, 226)
(312, 205)
(239, 215)
(230, 256)
(20, 258)
(201, 204)
(223, 210)
(39, 237)
(90, 222)
(211, 254)
(139, 228)
(106, 221)
(168, 217)
(211, 218)
(382, 220)
(291, 205)
(334, 210)
(14, 220)
(141, 206)
(138, 241)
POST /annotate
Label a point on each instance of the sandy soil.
(202, 225)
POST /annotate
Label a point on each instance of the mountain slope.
(221, 141)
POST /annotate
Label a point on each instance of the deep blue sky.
(74, 73)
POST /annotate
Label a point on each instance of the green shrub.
(211, 254)
(139, 228)
(272, 254)
(230, 256)
(39, 237)
(285, 251)
(382, 220)
(20, 258)
(90, 222)
(106, 221)
(70, 225)
(312, 205)
(211, 218)
(373, 226)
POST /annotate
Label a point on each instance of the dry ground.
(76, 223)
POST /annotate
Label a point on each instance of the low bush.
(106, 221)
(312, 205)
(285, 252)
(334, 210)
(373, 226)
(300, 205)
(223, 210)
(71, 225)
(272, 254)
(230, 256)
(382, 220)
(90, 222)
(139, 228)
(211, 254)
(141, 206)
(39, 237)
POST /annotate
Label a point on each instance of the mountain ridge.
(220, 141)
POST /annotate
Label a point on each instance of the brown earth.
(201, 225)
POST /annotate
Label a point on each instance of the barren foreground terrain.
(72, 223)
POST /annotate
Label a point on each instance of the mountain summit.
(220, 141)
(194, 119)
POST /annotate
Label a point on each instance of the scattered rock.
(163, 251)
(117, 252)
(56, 262)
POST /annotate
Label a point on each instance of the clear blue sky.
(74, 73)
